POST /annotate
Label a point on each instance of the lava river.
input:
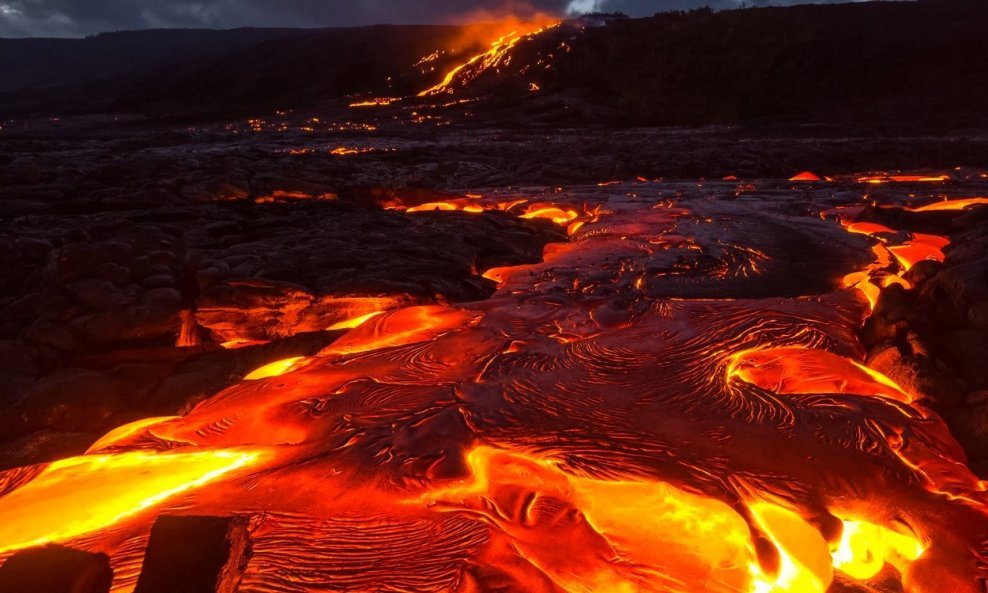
(672, 401)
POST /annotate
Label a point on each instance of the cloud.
(84, 17)
(74, 18)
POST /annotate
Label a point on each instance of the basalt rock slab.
(195, 555)
(56, 569)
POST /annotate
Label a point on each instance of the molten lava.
(796, 370)
(864, 548)
(273, 369)
(187, 334)
(900, 178)
(556, 215)
(376, 102)
(955, 204)
(354, 321)
(510, 32)
(82, 494)
(672, 401)
(907, 253)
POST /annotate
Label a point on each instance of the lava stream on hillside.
(672, 401)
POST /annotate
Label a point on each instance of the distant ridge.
(881, 61)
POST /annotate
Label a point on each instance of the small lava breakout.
(556, 303)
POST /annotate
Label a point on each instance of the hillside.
(900, 62)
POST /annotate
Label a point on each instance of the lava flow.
(674, 400)
(491, 59)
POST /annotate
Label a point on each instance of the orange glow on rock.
(806, 176)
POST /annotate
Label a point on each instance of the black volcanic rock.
(858, 61)
(183, 72)
(195, 555)
(55, 569)
(99, 279)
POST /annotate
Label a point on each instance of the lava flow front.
(674, 400)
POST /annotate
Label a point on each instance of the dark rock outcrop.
(195, 555)
(934, 339)
(55, 569)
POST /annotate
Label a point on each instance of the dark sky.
(74, 18)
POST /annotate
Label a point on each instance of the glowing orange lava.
(955, 204)
(123, 433)
(556, 215)
(83, 494)
(273, 369)
(864, 548)
(187, 335)
(353, 322)
(242, 343)
(635, 413)
(376, 102)
(797, 370)
(406, 326)
(907, 253)
(445, 206)
(346, 150)
(899, 178)
(492, 59)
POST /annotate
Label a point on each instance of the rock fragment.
(195, 555)
(56, 569)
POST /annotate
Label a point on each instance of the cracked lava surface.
(672, 401)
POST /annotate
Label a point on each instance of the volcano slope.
(674, 399)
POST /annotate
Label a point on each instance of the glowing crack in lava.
(673, 400)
